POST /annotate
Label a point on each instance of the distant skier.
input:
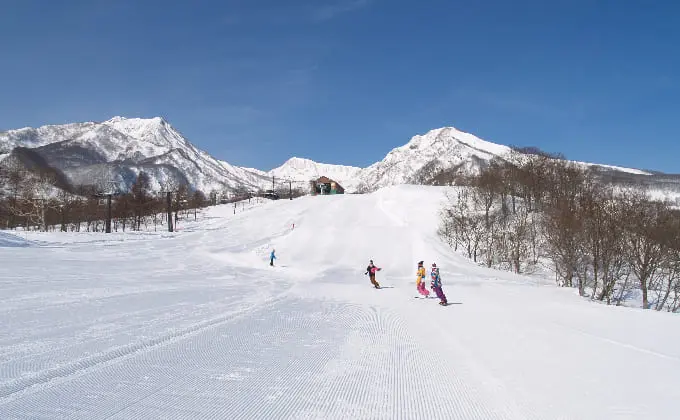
(371, 270)
(420, 280)
(272, 257)
(437, 285)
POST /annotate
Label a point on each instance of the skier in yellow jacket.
(420, 280)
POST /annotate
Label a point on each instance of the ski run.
(197, 325)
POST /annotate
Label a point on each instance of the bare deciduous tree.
(643, 235)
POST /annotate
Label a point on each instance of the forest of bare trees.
(29, 200)
(38, 197)
(614, 244)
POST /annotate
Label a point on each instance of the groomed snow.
(195, 324)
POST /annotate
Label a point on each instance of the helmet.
(420, 263)
(434, 265)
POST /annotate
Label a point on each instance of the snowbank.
(8, 240)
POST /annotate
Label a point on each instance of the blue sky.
(345, 81)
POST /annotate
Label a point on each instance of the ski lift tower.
(110, 189)
(165, 190)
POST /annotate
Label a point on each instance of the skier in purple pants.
(437, 285)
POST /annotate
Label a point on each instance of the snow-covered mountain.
(425, 155)
(301, 169)
(443, 149)
(416, 162)
(36, 137)
(117, 150)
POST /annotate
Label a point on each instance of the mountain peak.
(447, 137)
(136, 120)
(297, 161)
(300, 162)
(303, 169)
(116, 119)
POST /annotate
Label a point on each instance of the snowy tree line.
(32, 200)
(611, 243)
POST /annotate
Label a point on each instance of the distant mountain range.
(117, 150)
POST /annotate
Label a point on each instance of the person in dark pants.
(272, 257)
(437, 285)
(371, 270)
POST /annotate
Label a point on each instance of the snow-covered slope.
(117, 150)
(196, 325)
(36, 137)
(301, 169)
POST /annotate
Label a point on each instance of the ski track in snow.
(97, 360)
(195, 324)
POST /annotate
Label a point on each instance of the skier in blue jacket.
(272, 257)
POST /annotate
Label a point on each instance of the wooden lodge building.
(325, 186)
